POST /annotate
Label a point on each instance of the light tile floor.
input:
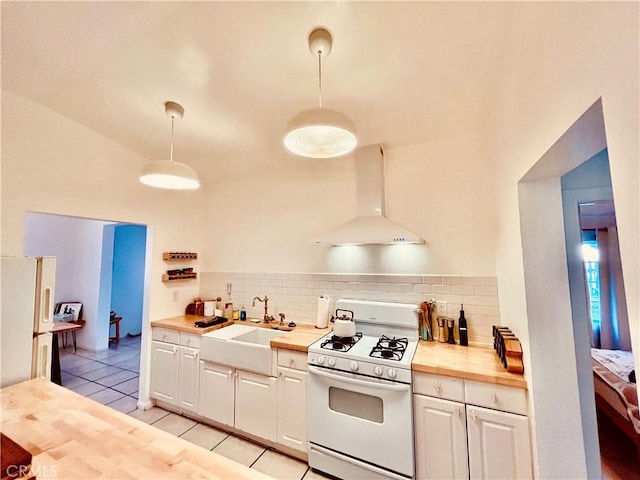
(111, 377)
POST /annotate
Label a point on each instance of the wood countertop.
(473, 363)
(71, 436)
(298, 339)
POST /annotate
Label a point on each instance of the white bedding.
(617, 361)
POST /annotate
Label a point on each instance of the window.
(591, 259)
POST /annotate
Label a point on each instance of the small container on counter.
(243, 314)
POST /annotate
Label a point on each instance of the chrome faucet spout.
(266, 318)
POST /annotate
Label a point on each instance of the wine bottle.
(462, 327)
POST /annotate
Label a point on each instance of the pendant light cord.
(171, 154)
(320, 78)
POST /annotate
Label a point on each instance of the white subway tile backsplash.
(464, 289)
(491, 281)
(442, 289)
(423, 288)
(296, 294)
(451, 280)
(481, 300)
(432, 279)
(492, 291)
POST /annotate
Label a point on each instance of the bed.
(616, 396)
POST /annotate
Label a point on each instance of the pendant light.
(167, 173)
(320, 132)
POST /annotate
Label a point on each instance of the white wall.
(77, 245)
(441, 190)
(562, 58)
(42, 151)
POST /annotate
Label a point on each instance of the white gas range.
(360, 420)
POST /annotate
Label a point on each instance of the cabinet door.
(441, 438)
(292, 408)
(189, 371)
(217, 393)
(256, 403)
(164, 372)
(499, 444)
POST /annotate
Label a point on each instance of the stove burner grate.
(390, 348)
(341, 344)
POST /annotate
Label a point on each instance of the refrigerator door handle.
(48, 305)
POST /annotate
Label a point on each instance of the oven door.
(367, 419)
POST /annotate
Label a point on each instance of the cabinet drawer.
(439, 386)
(190, 340)
(292, 359)
(497, 397)
(165, 335)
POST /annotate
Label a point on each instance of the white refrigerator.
(26, 318)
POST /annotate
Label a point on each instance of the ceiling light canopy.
(320, 132)
(168, 174)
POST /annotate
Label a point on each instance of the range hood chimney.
(371, 226)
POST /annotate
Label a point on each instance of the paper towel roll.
(322, 318)
(209, 308)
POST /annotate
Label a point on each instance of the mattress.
(611, 377)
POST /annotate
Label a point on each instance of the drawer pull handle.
(437, 387)
(473, 414)
(291, 362)
(230, 372)
(459, 411)
(494, 397)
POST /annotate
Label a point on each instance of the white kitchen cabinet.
(188, 378)
(217, 393)
(470, 429)
(175, 368)
(164, 372)
(499, 444)
(256, 404)
(292, 408)
(441, 438)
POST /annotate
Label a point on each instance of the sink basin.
(258, 336)
(241, 346)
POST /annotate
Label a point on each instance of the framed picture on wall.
(69, 308)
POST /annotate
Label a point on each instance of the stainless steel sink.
(241, 346)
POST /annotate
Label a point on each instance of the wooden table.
(65, 327)
(71, 436)
(61, 327)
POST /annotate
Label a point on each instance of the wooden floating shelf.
(182, 276)
(174, 256)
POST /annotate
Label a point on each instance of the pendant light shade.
(168, 174)
(320, 132)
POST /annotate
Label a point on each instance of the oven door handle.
(401, 387)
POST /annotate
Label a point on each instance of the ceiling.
(404, 72)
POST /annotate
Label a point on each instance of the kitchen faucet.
(267, 318)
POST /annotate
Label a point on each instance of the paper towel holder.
(322, 316)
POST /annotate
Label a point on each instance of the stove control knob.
(331, 361)
(354, 366)
(392, 372)
(378, 370)
(320, 359)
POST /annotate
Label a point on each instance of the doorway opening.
(555, 287)
(104, 265)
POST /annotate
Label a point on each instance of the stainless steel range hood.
(371, 226)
